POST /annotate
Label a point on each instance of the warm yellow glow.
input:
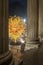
(16, 27)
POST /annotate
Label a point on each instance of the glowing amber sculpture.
(16, 27)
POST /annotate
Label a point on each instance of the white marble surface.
(30, 46)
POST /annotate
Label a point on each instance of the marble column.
(41, 20)
(5, 54)
(32, 21)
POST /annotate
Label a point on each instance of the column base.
(32, 44)
(6, 59)
(34, 41)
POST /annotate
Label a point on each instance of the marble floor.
(16, 51)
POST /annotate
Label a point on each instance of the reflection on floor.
(17, 54)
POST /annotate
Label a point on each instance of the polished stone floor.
(16, 51)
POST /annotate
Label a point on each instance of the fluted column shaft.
(5, 55)
(32, 20)
(3, 26)
(41, 19)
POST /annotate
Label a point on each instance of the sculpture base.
(6, 59)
